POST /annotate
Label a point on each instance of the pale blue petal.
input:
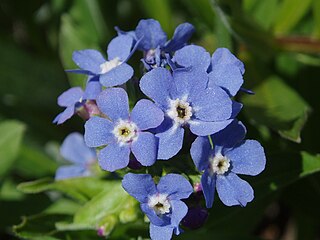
(200, 152)
(79, 71)
(232, 190)
(179, 211)
(233, 134)
(160, 233)
(114, 157)
(175, 185)
(98, 132)
(114, 103)
(190, 82)
(224, 57)
(151, 34)
(75, 150)
(89, 60)
(193, 56)
(65, 115)
(139, 186)
(248, 158)
(93, 88)
(180, 37)
(71, 171)
(170, 142)
(158, 85)
(120, 47)
(117, 76)
(145, 148)
(146, 115)
(70, 97)
(213, 104)
(208, 184)
(202, 128)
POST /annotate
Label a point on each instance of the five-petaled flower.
(162, 202)
(121, 133)
(230, 156)
(74, 150)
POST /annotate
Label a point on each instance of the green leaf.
(310, 164)
(102, 209)
(316, 14)
(81, 189)
(264, 12)
(10, 139)
(277, 106)
(82, 27)
(289, 14)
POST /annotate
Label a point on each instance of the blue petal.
(139, 186)
(65, 115)
(79, 71)
(248, 158)
(233, 134)
(200, 152)
(190, 82)
(179, 211)
(213, 104)
(75, 150)
(89, 60)
(114, 157)
(224, 57)
(153, 217)
(202, 128)
(193, 56)
(208, 183)
(114, 103)
(120, 47)
(117, 75)
(180, 37)
(71, 172)
(93, 89)
(236, 108)
(146, 115)
(145, 148)
(160, 233)
(158, 85)
(70, 97)
(175, 185)
(170, 142)
(151, 34)
(232, 190)
(226, 76)
(98, 132)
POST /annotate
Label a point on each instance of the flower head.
(152, 40)
(162, 202)
(111, 72)
(187, 102)
(74, 150)
(74, 99)
(122, 132)
(231, 155)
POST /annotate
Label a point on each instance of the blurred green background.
(279, 42)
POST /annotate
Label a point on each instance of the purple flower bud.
(195, 217)
(101, 231)
(134, 164)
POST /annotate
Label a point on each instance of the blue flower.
(121, 132)
(231, 155)
(75, 98)
(224, 69)
(112, 72)
(186, 101)
(152, 40)
(74, 150)
(162, 202)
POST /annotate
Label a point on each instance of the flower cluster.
(187, 95)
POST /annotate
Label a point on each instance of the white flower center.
(180, 111)
(108, 65)
(125, 132)
(219, 164)
(159, 203)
